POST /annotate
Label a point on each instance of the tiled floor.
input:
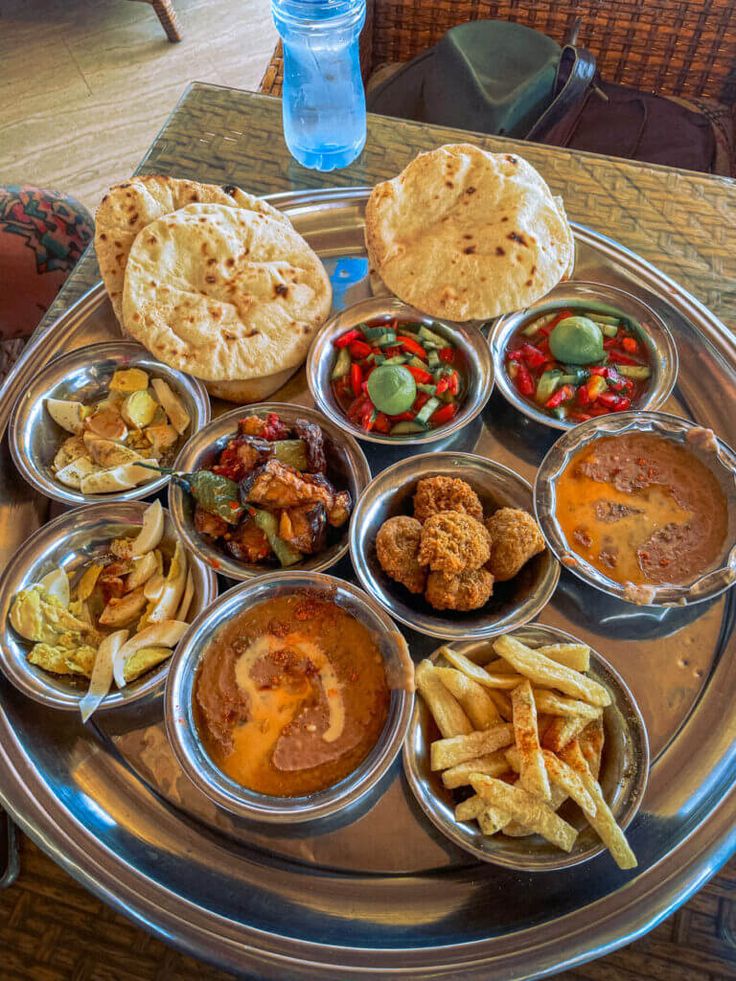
(86, 84)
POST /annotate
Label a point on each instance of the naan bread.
(130, 206)
(466, 234)
(224, 294)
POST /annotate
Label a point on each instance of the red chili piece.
(356, 378)
(409, 344)
(420, 376)
(447, 354)
(347, 338)
(563, 394)
(442, 415)
(359, 350)
(524, 381)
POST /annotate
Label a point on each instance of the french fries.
(525, 734)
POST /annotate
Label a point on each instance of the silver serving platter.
(377, 890)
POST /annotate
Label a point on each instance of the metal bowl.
(623, 776)
(390, 493)
(85, 374)
(74, 539)
(722, 462)
(181, 725)
(468, 339)
(344, 459)
(602, 299)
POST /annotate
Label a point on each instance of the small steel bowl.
(85, 374)
(623, 776)
(478, 368)
(602, 299)
(70, 541)
(344, 458)
(390, 493)
(181, 723)
(722, 461)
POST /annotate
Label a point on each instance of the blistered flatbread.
(130, 206)
(466, 234)
(223, 293)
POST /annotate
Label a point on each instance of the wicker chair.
(684, 48)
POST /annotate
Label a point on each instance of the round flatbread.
(130, 206)
(466, 234)
(224, 294)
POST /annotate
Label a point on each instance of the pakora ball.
(397, 548)
(454, 542)
(515, 538)
(436, 494)
(468, 591)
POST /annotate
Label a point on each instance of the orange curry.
(642, 509)
(291, 695)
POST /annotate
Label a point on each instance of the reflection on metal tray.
(376, 888)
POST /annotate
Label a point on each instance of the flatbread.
(466, 234)
(223, 293)
(252, 390)
(130, 206)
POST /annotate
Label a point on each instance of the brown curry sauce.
(291, 696)
(642, 509)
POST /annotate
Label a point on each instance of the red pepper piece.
(583, 395)
(410, 345)
(407, 416)
(524, 381)
(597, 370)
(629, 345)
(617, 357)
(442, 385)
(533, 357)
(359, 350)
(382, 423)
(447, 354)
(548, 328)
(453, 383)
(420, 376)
(563, 394)
(609, 342)
(356, 378)
(442, 415)
(515, 355)
(624, 403)
(419, 401)
(348, 337)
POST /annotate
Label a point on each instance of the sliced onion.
(99, 684)
(152, 530)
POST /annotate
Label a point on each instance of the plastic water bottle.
(323, 97)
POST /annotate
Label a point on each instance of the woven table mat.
(684, 223)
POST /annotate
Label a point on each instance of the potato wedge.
(88, 581)
(446, 711)
(526, 809)
(573, 656)
(152, 530)
(138, 409)
(479, 674)
(99, 683)
(172, 405)
(56, 584)
(118, 478)
(70, 450)
(561, 730)
(66, 413)
(145, 660)
(129, 380)
(502, 702)
(107, 423)
(551, 703)
(492, 764)
(75, 472)
(445, 753)
(154, 587)
(468, 810)
(603, 822)
(108, 453)
(549, 674)
(123, 611)
(473, 699)
(570, 782)
(168, 602)
(532, 773)
(186, 601)
(144, 567)
(591, 741)
(492, 820)
(166, 634)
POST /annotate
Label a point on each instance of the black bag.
(509, 80)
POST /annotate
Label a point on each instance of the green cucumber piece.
(416, 362)
(639, 372)
(574, 375)
(404, 428)
(608, 330)
(427, 389)
(342, 364)
(425, 334)
(378, 359)
(397, 359)
(422, 417)
(548, 385)
(388, 339)
(601, 318)
(536, 325)
(373, 334)
(433, 359)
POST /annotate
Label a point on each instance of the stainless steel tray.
(378, 891)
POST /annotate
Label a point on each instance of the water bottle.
(323, 98)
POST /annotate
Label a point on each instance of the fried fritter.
(397, 547)
(515, 538)
(468, 591)
(435, 494)
(453, 542)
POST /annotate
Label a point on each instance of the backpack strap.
(576, 75)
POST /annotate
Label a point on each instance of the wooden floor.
(85, 85)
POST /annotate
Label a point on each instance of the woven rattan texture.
(674, 47)
(50, 928)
